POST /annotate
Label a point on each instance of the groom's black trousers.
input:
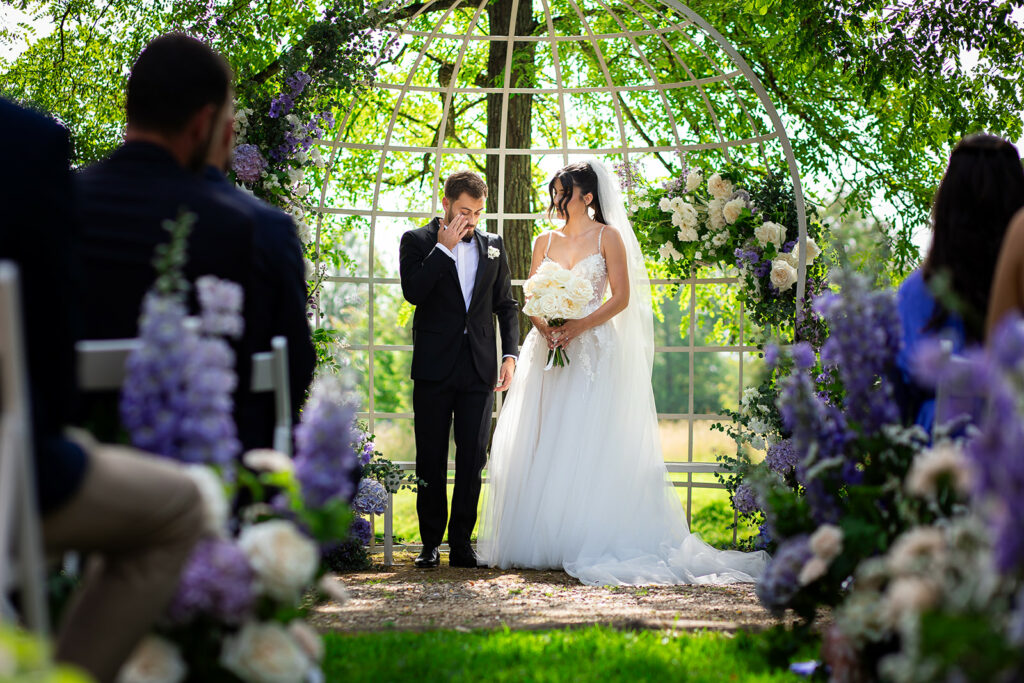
(466, 397)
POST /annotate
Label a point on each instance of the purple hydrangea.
(746, 258)
(745, 500)
(217, 582)
(781, 579)
(372, 497)
(782, 458)
(360, 531)
(763, 540)
(325, 459)
(248, 163)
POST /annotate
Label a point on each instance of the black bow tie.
(468, 238)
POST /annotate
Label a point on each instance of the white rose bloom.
(698, 256)
(301, 156)
(292, 119)
(548, 267)
(295, 175)
(215, 501)
(318, 157)
(267, 460)
(719, 239)
(308, 639)
(827, 542)
(693, 181)
(719, 187)
(677, 219)
(783, 275)
(715, 216)
(758, 426)
(677, 204)
(689, 214)
(813, 250)
(664, 204)
(154, 660)
(732, 210)
(303, 231)
(790, 258)
(302, 190)
(770, 232)
(645, 203)
(907, 596)
(687, 234)
(915, 550)
(264, 653)
(562, 277)
(285, 560)
(668, 251)
(812, 570)
(943, 462)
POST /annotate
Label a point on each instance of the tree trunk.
(518, 234)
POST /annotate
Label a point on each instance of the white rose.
(719, 238)
(689, 214)
(687, 234)
(693, 181)
(154, 660)
(719, 187)
(548, 267)
(827, 542)
(264, 653)
(915, 550)
(318, 157)
(783, 275)
(302, 190)
(308, 639)
(790, 258)
(677, 219)
(295, 175)
(677, 204)
(945, 461)
(303, 232)
(215, 501)
(731, 211)
(813, 250)
(665, 204)
(301, 156)
(908, 596)
(812, 570)
(285, 561)
(292, 119)
(668, 251)
(698, 256)
(562, 277)
(267, 460)
(769, 232)
(715, 216)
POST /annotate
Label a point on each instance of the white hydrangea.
(719, 187)
(304, 232)
(783, 275)
(264, 653)
(154, 660)
(302, 190)
(693, 180)
(732, 210)
(318, 157)
(295, 175)
(285, 561)
(302, 156)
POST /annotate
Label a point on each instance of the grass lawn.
(594, 653)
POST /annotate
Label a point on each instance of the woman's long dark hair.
(982, 189)
(578, 174)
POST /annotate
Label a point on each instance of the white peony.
(687, 234)
(916, 550)
(715, 217)
(154, 660)
(267, 460)
(264, 653)
(308, 639)
(812, 570)
(665, 204)
(285, 560)
(732, 210)
(827, 542)
(693, 180)
(719, 187)
(783, 275)
(769, 232)
(215, 500)
(943, 462)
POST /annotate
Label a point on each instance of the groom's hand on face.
(508, 368)
(450, 233)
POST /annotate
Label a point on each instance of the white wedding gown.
(577, 479)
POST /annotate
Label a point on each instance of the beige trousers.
(138, 517)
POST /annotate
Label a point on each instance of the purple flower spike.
(325, 458)
(216, 582)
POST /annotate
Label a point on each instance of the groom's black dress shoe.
(428, 558)
(462, 555)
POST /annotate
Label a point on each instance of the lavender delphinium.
(372, 497)
(781, 579)
(220, 303)
(207, 429)
(324, 455)
(366, 455)
(217, 581)
(248, 163)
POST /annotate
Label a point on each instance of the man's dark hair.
(173, 78)
(464, 182)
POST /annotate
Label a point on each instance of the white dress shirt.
(467, 260)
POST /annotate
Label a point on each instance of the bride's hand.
(564, 334)
(545, 331)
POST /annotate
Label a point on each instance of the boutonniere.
(492, 252)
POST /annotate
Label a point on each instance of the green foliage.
(25, 657)
(595, 653)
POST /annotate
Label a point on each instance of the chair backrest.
(20, 536)
(102, 363)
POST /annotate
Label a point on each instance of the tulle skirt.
(577, 479)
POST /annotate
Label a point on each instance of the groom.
(458, 279)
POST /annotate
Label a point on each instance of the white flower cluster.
(785, 266)
(684, 217)
(945, 461)
(826, 544)
(241, 124)
(269, 652)
(285, 560)
(555, 293)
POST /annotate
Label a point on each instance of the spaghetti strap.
(599, 235)
(548, 248)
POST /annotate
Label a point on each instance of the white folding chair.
(22, 568)
(101, 367)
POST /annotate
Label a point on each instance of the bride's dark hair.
(579, 174)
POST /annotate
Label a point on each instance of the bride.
(577, 479)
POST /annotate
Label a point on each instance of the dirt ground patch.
(405, 598)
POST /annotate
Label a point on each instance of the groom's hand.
(450, 233)
(508, 368)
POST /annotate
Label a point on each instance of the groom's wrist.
(446, 250)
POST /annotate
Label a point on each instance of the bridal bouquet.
(557, 295)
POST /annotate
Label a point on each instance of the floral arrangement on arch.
(700, 219)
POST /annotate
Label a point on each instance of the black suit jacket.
(38, 232)
(123, 202)
(279, 297)
(430, 281)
